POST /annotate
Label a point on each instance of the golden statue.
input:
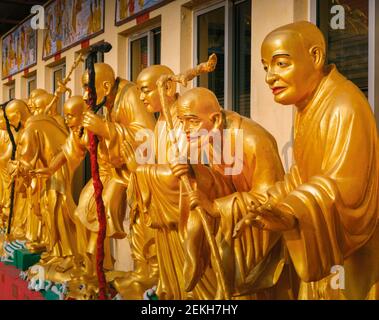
(19, 114)
(5, 156)
(250, 260)
(125, 117)
(327, 205)
(162, 199)
(39, 141)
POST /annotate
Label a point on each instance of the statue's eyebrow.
(281, 54)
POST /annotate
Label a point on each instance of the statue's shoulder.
(344, 97)
(253, 133)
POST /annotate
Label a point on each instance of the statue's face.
(39, 105)
(3, 125)
(73, 112)
(31, 105)
(150, 96)
(72, 118)
(197, 122)
(289, 68)
(102, 87)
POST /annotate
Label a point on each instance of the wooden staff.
(183, 79)
(63, 83)
(97, 184)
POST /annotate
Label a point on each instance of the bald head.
(104, 81)
(293, 57)
(17, 112)
(41, 102)
(73, 111)
(147, 84)
(305, 32)
(198, 109)
(33, 95)
(37, 92)
(150, 75)
(198, 101)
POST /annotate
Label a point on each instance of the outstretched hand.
(266, 217)
(41, 173)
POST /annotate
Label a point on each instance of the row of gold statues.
(196, 230)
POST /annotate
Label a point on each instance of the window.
(144, 50)
(12, 92)
(59, 74)
(225, 29)
(348, 48)
(31, 84)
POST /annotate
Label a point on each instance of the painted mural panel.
(69, 22)
(128, 9)
(19, 49)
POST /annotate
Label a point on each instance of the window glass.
(242, 58)
(348, 48)
(59, 75)
(211, 39)
(12, 92)
(139, 56)
(32, 85)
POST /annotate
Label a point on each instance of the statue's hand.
(246, 221)
(274, 219)
(129, 156)
(200, 199)
(41, 173)
(62, 88)
(179, 169)
(95, 124)
(13, 168)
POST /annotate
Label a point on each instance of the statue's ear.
(107, 86)
(318, 57)
(216, 118)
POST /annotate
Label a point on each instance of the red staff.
(97, 184)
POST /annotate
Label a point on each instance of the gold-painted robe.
(128, 117)
(247, 259)
(164, 202)
(5, 155)
(333, 192)
(39, 142)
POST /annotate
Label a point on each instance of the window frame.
(61, 66)
(28, 81)
(228, 62)
(150, 46)
(373, 61)
(10, 88)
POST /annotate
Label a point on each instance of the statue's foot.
(35, 247)
(132, 286)
(48, 260)
(65, 265)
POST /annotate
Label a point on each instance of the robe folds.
(255, 260)
(38, 143)
(333, 191)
